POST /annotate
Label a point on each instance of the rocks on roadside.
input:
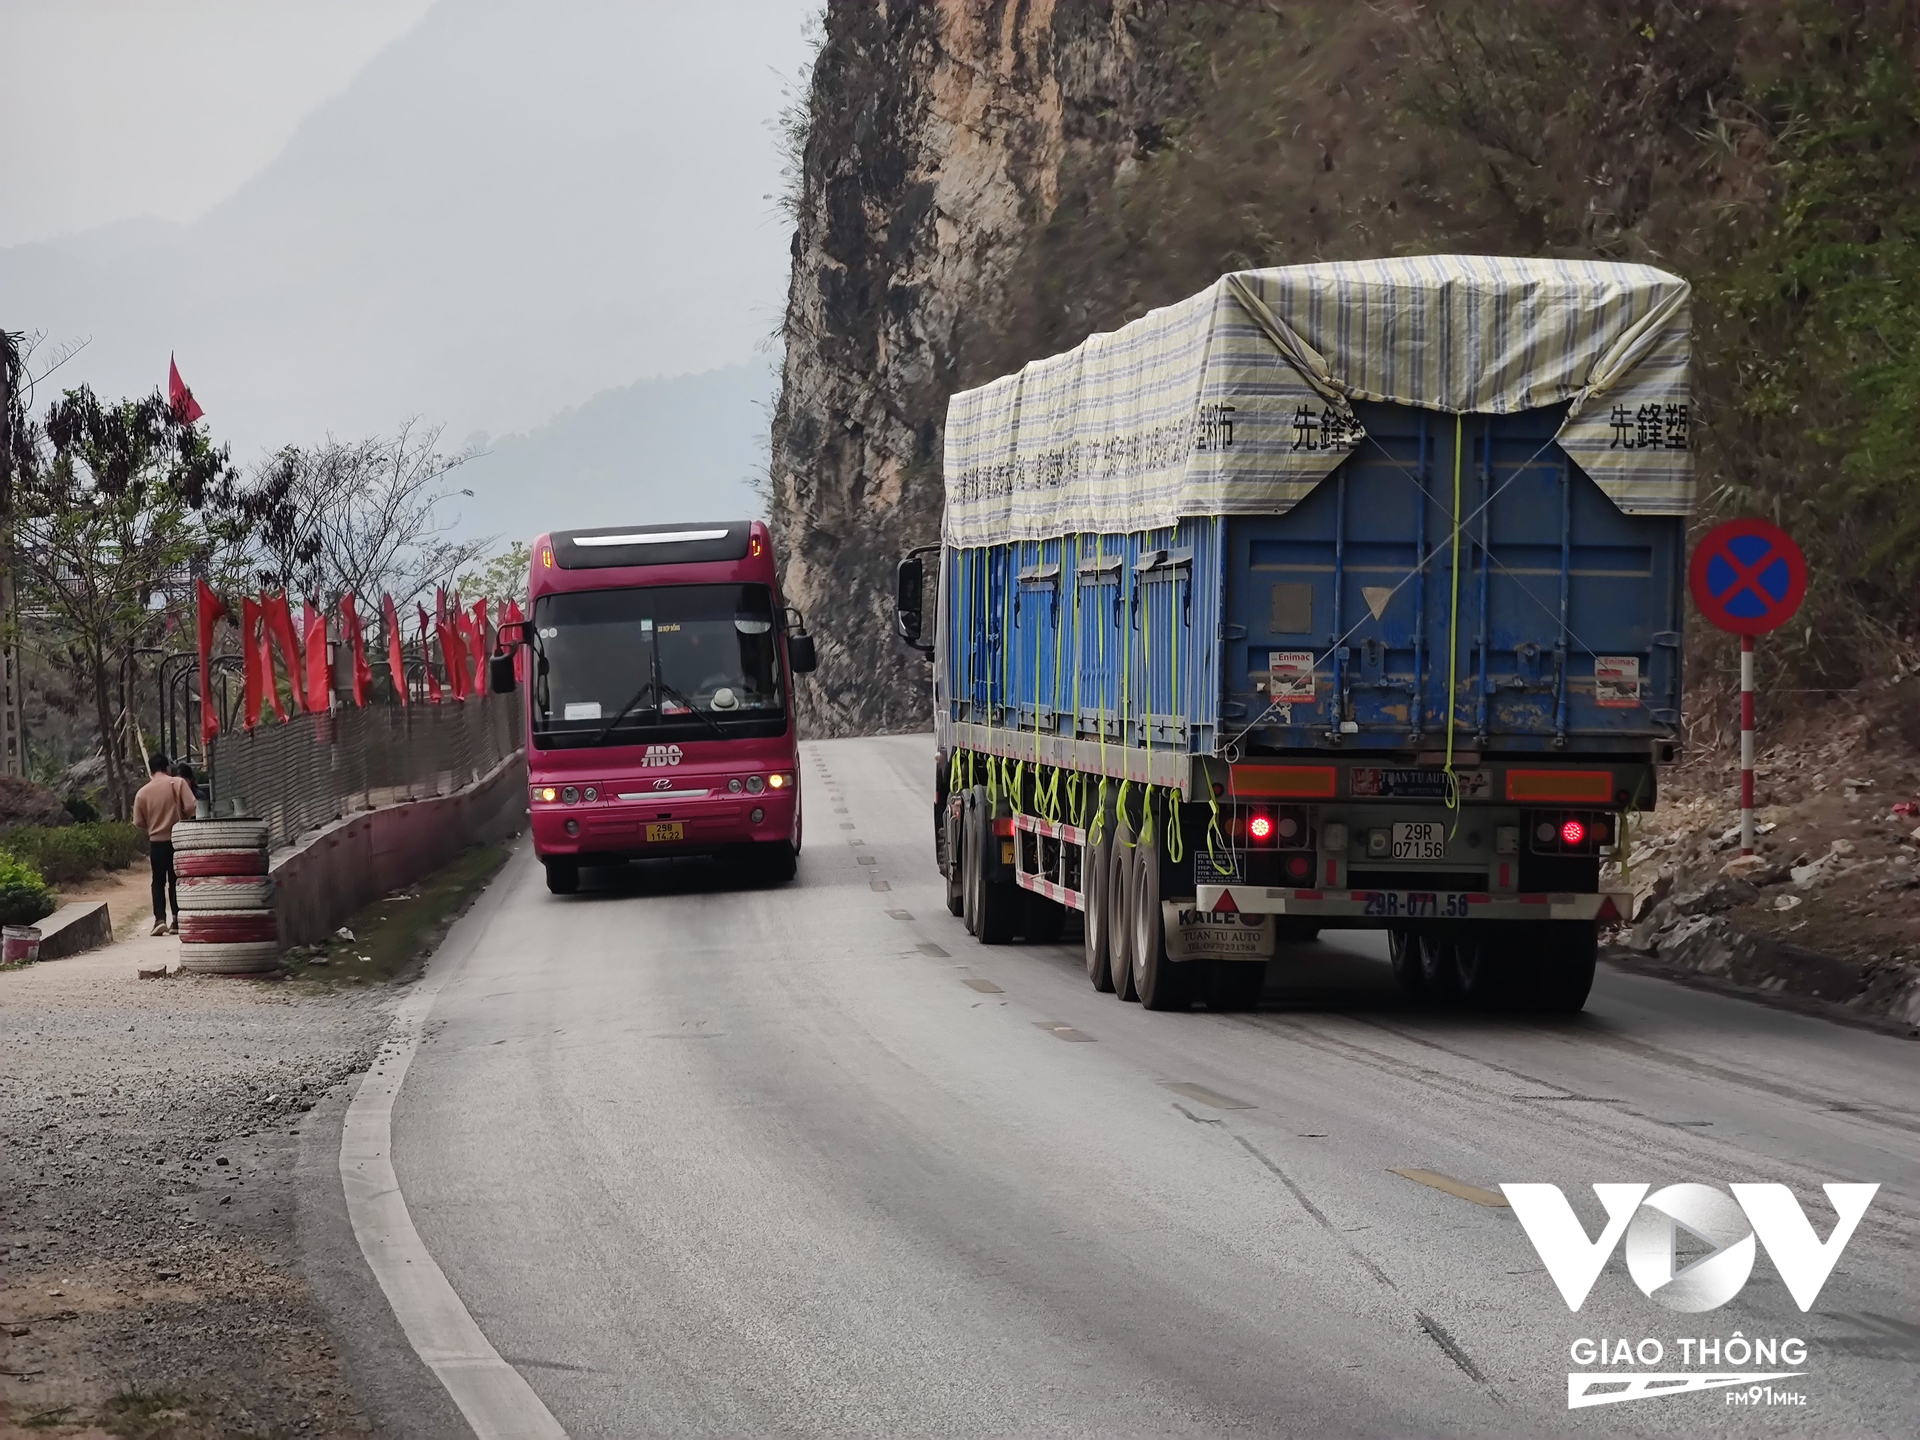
(1720, 895)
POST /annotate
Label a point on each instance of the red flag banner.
(313, 633)
(454, 652)
(426, 653)
(396, 643)
(360, 673)
(212, 609)
(482, 646)
(179, 398)
(279, 620)
(510, 615)
(259, 664)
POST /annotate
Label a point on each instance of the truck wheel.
(1403, 952)
(1120, 912)
(1566, 977)
(1097, 922)
(997, 906)
(1236, 984)
(1439, 976)
(955, 868)
(563, 877)
(1160, 983)
(969, 862)
(1480, 959)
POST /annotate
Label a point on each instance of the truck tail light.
(1579, 832)
(1260, 828)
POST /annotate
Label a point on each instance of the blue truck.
(1334, 596)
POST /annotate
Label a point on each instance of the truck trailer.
(1337, 595)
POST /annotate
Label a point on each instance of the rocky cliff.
(983, 183)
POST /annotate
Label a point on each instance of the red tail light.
(1573, 832)
(1299, 867)
(1260, 827)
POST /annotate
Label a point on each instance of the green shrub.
(66, 853)
(24, 896)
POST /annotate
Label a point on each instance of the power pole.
(13, 730)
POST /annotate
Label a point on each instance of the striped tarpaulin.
(1237, 400)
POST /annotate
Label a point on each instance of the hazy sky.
(342, 213)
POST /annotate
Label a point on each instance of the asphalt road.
(809, 1160)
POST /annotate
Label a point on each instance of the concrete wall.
(331, 874)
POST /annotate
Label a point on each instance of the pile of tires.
(227, 924)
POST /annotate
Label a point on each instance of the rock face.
(941, 139)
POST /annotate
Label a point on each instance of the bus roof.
(625, 556)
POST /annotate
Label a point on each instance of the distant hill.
(689, 447)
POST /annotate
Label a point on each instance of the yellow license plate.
(674, 831)
(1006, 852)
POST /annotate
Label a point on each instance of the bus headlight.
(569, 796)
(779, 782)
(546, 793)
(734, 787)
(755, 784)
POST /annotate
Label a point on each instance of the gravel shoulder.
(178, 1262)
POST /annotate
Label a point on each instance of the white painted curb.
(494, 1397)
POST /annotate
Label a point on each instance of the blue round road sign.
(1748, 576)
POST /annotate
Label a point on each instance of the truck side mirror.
(500, 674)
(906, 598)
(800, 653)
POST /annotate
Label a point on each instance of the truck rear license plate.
(1420, 840)
(673, 831)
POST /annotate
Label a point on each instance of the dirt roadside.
(151, 1138)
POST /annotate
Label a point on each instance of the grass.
(396, 931)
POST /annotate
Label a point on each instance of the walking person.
(160, 804)
(195, 801)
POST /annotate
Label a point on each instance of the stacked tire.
(227, 924)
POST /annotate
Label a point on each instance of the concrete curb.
(74, 929)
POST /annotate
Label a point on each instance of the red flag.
(482, 646)
(426, 652)
(361, 672)
(260, 686)
(279, 628)
(396, 657)
(313, 630)
(185, 408)
(211, 611)
(454, 652)
(510, 615)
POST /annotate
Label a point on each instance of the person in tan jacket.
(160, 804)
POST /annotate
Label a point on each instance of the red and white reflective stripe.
(1033, 824)
(1052, 890)
(1746, 744)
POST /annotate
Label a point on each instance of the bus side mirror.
(800, 653)
(500, 674)
(906, 599)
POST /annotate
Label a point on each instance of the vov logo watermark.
(1736, 1226)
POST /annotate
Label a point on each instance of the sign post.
(1748, 578)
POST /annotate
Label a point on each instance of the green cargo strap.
(1453, 630)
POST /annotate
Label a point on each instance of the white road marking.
(494, 1397)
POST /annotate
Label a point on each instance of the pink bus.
(659, 664)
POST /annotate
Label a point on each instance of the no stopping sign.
(1747, 576)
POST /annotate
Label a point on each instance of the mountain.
(693, 447)
(511, 207)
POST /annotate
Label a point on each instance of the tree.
(365, 516)
(504, 577)
(116, 508)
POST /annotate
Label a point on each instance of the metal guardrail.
(316, 768)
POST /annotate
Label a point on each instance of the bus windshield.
(666, 662)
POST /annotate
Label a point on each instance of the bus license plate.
(674, 831)
(1420, 840)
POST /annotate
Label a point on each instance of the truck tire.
(1160, 982)
(1482, 960)
(563, 877)
(1120, 912)
(1565, 977)
(1439, 976)
(969, 863)
(1235, 984)
(1403, 953)
(1097, 920)
(955, 869)
(996, 902)
(1042, 920)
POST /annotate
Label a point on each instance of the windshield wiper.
(668, 692)
(622, 713)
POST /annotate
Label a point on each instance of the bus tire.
(1120, 912)
(1097, 919)
(774, 862)
(563, 877)
(1566, 977)
(1160, 982)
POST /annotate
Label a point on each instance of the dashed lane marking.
(1061, 1031)
(985, 987)
(1206, 1096)
(1492, 1199)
